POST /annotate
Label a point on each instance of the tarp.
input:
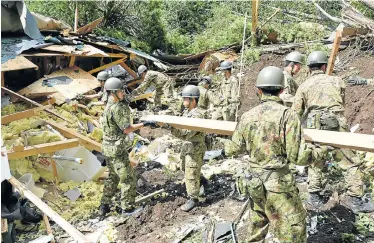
(47, 23)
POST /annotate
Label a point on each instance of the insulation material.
(43, 137)
(97, 135)
(13, 108)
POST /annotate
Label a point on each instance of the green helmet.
(206, 79)
(142, 69)
(317, 57)
(191, 91)
(270, 77)
(103, 76)
(113, 84)
(224, 65)
(295, 57)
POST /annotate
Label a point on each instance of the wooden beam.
(48, 226)
(142, 97)
(23, 114)
(73, 232)
(70, 133)
(106, 66)
(254, 21)
(129, 70)
(44, 148)
(72, 61)
(89, 27)
(346, 140)
(134, 82)
(334, 51)
(21, 97)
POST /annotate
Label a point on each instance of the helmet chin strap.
(292, 66)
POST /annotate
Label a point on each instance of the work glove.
(152, 124)
(356, 81)
(79, 97)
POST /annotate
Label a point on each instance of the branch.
(334, 19)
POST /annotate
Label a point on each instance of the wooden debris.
(241, 212)
(142, 97)
(334, 52)
(145, 198)
(106, 66)
(43, 148)
(22, 115)
(18, 63)
(48, 226)
(89, 27)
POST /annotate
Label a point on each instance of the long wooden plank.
(44, 148)
(128, 69)
(347, 140)
(70, 133)
(334, 52)
(73, 232)
(23, 114)
(89, 27)
(362, 142)
(106, 66)
(21, 97)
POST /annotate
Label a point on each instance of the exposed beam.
(129, 70)
(106, 66)
(70, 133)
(21, 97)
(72, 61)
(334, 52)
(142, 97)
(134, 82)
(23, 114)
(44, 148)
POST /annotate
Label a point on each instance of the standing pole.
(334, 52)
(241, 64)
(76, 17)
(254, 21)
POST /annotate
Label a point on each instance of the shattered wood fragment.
(106, 66)
(89, 27)
(18, 63)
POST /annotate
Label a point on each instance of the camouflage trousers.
(168, 89)
(347, 162)
(157, 98)
(192, 169)
(122, 176)
(278, 214)
(226, 113)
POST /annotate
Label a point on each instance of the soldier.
(206, 96)
(271, 135)
(293, 62)
(228, 94)
(193, 148)
(118, 133)
(320, 103)
(102, 95)
(162, 83)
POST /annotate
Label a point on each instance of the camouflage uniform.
(206, 98)
(226, 110)
(162, 83)
(320, 101)
(192, 152)
(115, 119)
(290, 88)
(271, 134)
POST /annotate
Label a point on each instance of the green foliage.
(308, 48)
(363, 9)
(297, 32)
(348, 238)
(251, 55)
(364, 224)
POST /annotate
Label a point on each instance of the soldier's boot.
(131, 211)
(189, 205)
(358, 205)
(203, 183)
(104, 209)
(315, 199)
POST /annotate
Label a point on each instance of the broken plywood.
(17, 63)
(88, 50)
(89, 27)
(81, 83)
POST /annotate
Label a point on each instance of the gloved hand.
(79, 97)
(356, 81)
(152, 124)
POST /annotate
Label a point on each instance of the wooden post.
(47, 226)
(334, 51)
(72, 61)
(76, 17)
(254, 21)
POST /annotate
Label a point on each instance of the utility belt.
(323, 120)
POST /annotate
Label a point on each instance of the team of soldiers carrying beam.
(270, 133)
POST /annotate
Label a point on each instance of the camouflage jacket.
(206, 98)
(153, 78)
(320, 92)
(115, 119)
(271, 134)
(229, 90)
(290, 88)
(188, 135)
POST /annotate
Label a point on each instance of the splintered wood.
(17, 63)
(81, 82)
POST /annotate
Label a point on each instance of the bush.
(251, 55)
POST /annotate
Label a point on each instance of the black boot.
(358, 205)
(315, 199)
(104, 209)
(190, 204)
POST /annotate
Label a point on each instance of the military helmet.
(317, 57)
(295, 57)
(113, 84)
(206, 79)
(103, 76)
(224, 65)
(191, 91)
(142, 69)
(270, 77)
